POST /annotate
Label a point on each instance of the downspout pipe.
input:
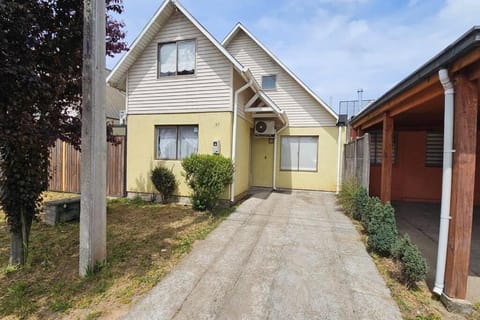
(446, 181)
(234, 133)
(275, 139)
(339, 161)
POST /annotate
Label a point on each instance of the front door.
(262, 162)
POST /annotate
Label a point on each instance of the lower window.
(299, 153)
(176, 142)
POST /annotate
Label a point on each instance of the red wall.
(411, 179)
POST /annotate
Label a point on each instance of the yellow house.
(187, 93)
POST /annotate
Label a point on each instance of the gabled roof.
(117, 77)
(239, 27)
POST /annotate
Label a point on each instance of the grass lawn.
(144, 242)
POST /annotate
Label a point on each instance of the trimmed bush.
(413, 264)
(362, 204)
(346, 196)
(207, 175)
(382, 229)
(164, 181)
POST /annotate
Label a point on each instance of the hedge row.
(378, 221)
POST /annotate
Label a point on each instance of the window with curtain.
(176, 58)
(298, 153)
(176, 142)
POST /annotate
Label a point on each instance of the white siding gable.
(301, 108)
(209, 90)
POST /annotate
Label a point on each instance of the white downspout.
(234, 134)
(274, 184)
(446, 181)
(339, 161)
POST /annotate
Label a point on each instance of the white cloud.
(338, 53)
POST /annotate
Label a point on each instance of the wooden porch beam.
(387, 154)
(417, 101)
(463, 185)
(394, 102)
(472, 57)
(474, 72)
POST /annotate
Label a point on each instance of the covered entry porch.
(423, 150)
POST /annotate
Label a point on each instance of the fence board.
(65, 168)
(357, 161)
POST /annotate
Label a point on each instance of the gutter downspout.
(274, 184)
(234, 134)
(446, 181)
(339, 154)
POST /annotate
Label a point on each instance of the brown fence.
(65, 168)
(357, 161)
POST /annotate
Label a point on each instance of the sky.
(335, 46)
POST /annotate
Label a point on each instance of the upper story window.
(176, 58)
(269, 82)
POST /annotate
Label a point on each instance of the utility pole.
(93, 224)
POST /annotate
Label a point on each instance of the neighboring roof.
(115, 103)
(239, 27)
(118, 75)
(463, 45)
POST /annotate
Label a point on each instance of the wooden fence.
(357, 161)
(65, 168)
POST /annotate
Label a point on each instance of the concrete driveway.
(281, 255)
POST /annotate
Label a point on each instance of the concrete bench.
(63, 210)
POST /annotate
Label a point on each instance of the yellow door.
(262, 162)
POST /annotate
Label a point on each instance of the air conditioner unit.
(264, 127)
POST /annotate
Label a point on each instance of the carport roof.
(462, 46)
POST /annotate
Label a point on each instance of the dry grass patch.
(145, 241)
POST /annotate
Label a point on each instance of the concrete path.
(285, 255)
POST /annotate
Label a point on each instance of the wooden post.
(387, 154)
(463, 185)
(94, 142)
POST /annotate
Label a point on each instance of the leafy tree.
(40, 89)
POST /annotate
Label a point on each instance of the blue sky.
(334, 46)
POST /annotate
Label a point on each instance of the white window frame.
(275, 81)
(177, 141)
(159, 75)
(296, 166)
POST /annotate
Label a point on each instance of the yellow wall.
(325, 178)
(141, 145)
(262, 162)
(242, 161)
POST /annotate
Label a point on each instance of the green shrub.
(362, 203)
(207, 175)
(413, 265)
(368, 212)
(346, 196)
(164, 181)
(382, 229)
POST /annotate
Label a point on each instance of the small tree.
(164, 181)
(40, 88)
(207, 175)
